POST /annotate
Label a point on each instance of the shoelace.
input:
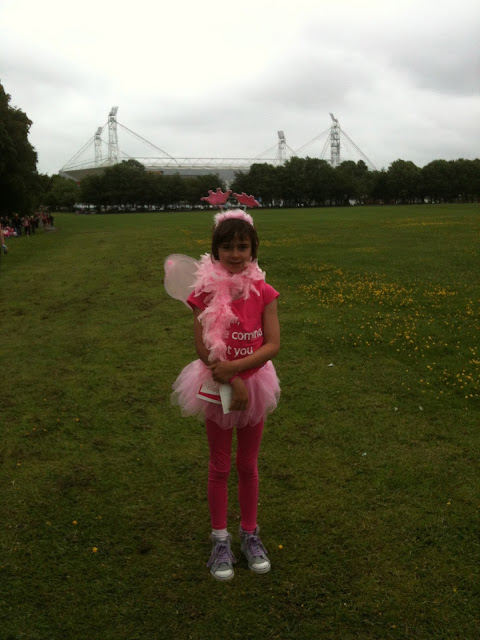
(255, 546)
(221, 553)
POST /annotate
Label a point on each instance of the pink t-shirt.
(246, 335)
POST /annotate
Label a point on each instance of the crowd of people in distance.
(15, 225)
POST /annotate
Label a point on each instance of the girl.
(237, 333)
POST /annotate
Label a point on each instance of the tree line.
(298, 182)
(314, 182)
(129, 186)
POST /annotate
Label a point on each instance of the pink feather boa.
(222, 287)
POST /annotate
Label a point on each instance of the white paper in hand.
(217, 393)
(226, 397)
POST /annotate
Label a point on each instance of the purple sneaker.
(222, 558)
(254, 551)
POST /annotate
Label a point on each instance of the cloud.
(220, 80)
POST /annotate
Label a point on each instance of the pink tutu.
(263, 395)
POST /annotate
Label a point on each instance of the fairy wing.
(180, 273)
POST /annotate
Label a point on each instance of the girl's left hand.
(239, 395)
(222, 371)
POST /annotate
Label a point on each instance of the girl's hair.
(231, 228)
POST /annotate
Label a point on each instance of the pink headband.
(232, 213)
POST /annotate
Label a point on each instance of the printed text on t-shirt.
(243, 336)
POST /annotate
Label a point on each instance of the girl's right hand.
(239, 395)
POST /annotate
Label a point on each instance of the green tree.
(404, 181)
(438, 177)
(475, 176)
(243, 183)
(465, 178)
(175, 190)
(263, 180)
(379, 190)
(353, 180)
(198, 187)
(124, 184)
(92, 191)
(18, 159)
(318, 181)
(42, 186)
(62, 194)
(292, 183)
(152, 189)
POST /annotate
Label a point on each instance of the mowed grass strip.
(370, 499)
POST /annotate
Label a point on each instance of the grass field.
(369, 469)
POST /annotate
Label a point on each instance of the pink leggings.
(248, 446)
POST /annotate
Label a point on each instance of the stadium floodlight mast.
(335, 142)
(98, 147)
(282, 148)
(112, 136)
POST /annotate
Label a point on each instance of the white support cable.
(79, 153)
(300, 149)
(364, 157)
(127, 155)
(146, 141)
(325, 147)
(279, 150)
(260, 156)
(80, 165)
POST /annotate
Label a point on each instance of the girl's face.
(234, 256)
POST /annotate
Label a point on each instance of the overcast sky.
(219, 79)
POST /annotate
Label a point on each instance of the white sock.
(220, 533)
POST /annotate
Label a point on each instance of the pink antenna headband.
(220, 198)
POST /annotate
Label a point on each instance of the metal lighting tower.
(335, 142)
(98, 147)
(282, 148)
(112, 136)
(332, 137)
